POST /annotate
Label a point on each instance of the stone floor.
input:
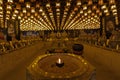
(19, 71)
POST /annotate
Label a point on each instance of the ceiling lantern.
(78, 3)
(68, 4)
(58, 14)
(10, 1)
(32, 16)
(41, 10)
(27, 5)
(103, 7)
(32, 10)
(37, 5)
(8, 12)
(93, 14)
(48, 5)
(21, 1)
(32, 0)
(21, 14)
(1, 8)
(50, 14)
(84, 7)
(90, 2)
(85, 14)
(19, 17)
(36, 14)
(75, 9)
(28, 13)
(9, 7)
(1, 16)
(100, 2)
(7, 18)
(25, 17)
(18, 6)
(81, 11)
(57, 4)
(97, 11)
(13, 17)
(111, 1)
(1, 1)
(58, 10)
(106, 11)
(43, 14)
(115, 10)
(113, 7)
(78, 15)
(16, 11)
(24, 10)
(107, 14)
(100, 14)
(94, 7)
(89, 11)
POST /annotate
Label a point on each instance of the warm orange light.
(32, 0)
(84, 7)
(28, 13)
(97, 11)
(21, 14)
(1, 1)
(27, 5)
(48, 5)
(111, 1)
(9, 7)
(32, 10)
(78, 3)
(18, 6)
(16, 11)
(36, 14)
(57, 4)
(100, 2)
(90, 2)
(10, 1)
(24, 10)
(94, 7)
(68, 4)
(21, 1)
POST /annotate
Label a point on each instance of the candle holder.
(59, 63)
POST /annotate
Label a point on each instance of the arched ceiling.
(57, 14)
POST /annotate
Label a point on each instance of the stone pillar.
(118, 9)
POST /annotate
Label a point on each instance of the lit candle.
(59, 63)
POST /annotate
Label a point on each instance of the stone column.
(118, 10)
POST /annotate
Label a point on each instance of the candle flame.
(59, 60)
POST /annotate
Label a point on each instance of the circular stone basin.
(73, 65)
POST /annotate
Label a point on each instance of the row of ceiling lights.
(36, 18)
(1, 13)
